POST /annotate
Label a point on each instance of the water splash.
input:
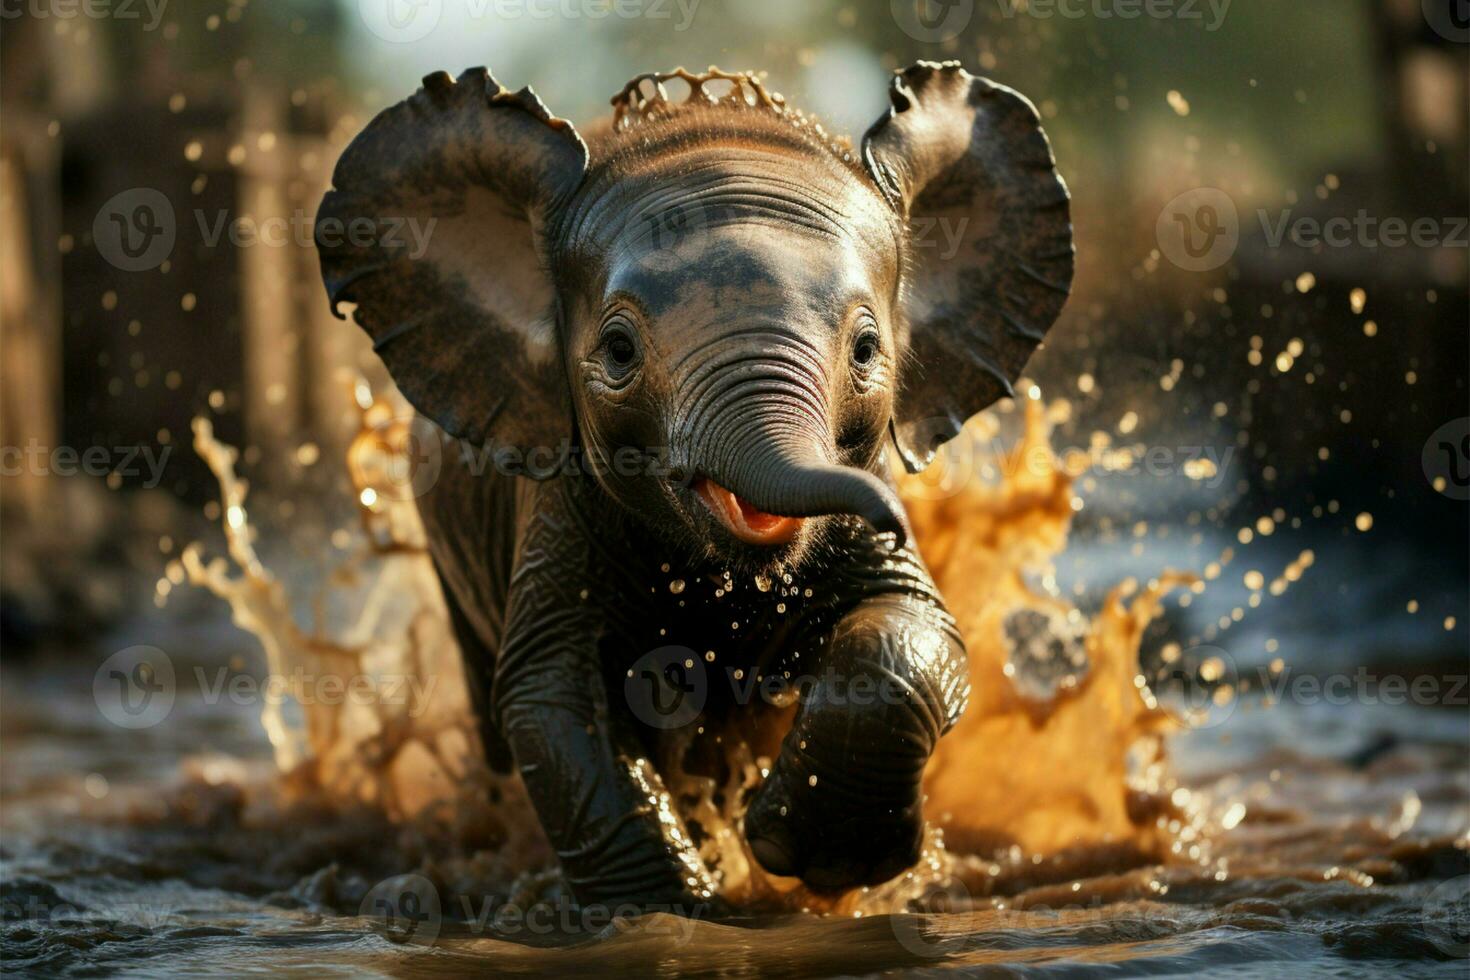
(1057, 764)
(405, 755)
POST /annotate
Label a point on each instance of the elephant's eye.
(865, 348)
(619, 350)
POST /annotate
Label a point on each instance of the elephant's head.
(727, 311)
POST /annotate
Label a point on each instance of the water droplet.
(763, 582)
(811, 780)
(780, 607)
(676, 586)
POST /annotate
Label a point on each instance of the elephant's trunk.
(772, 470)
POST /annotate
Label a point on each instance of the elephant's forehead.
(681, 202)
(748, 265)
(747, 222)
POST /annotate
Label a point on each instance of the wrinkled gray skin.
(722, 296)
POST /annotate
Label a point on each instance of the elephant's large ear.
(435, 230)
(965, 162)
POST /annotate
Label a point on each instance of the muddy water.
(1122, 795)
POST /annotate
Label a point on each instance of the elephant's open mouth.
(743, 519)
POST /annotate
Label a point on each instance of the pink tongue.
(757, 520)
(746, 522)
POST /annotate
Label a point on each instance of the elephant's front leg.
(842, 806)
(602, 805)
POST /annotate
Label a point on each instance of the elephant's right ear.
(435, 229)
(968, 155)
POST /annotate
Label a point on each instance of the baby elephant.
(672, 358)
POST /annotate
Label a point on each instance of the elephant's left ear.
(965, 162)
(436, 230)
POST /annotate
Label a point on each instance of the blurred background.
(162, 163)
